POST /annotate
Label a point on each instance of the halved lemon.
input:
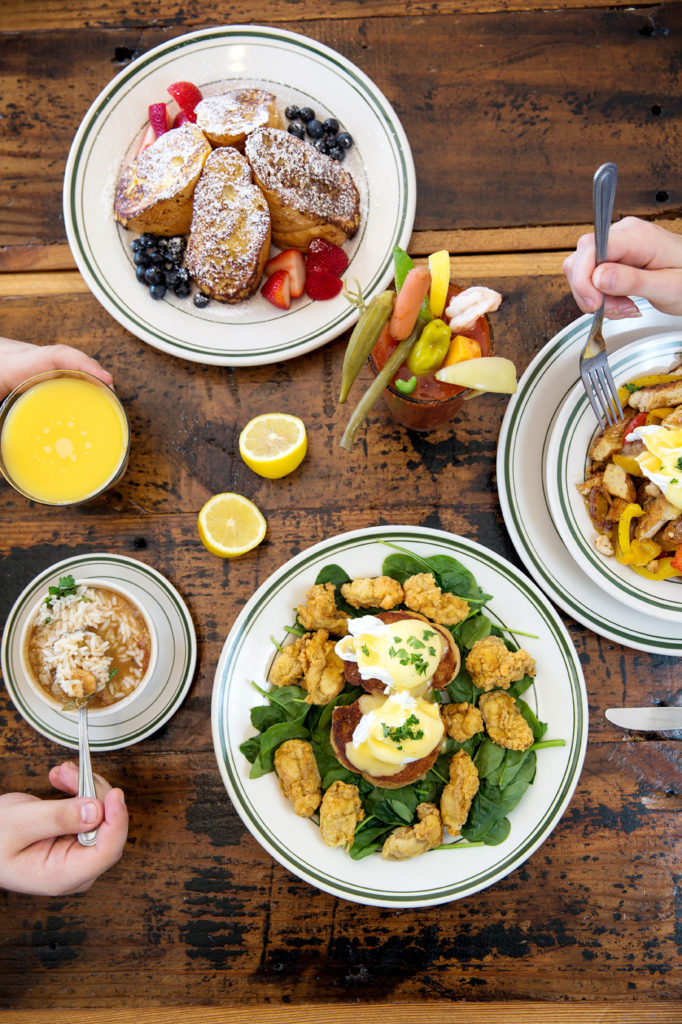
(439, 265)
(274, 444)
(230, 525)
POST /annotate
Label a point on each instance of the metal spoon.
(86, 783)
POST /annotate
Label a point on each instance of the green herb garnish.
(66, 586)
(398, 733)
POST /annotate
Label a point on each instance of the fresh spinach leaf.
(273, 738)
(539, 728)
(250, 748)
(401, 566)
(475, 628)
(520, 686)
(462, 688)
(338, 576)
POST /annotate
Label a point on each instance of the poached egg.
(393, 732)
(403, 655)
(662, 460)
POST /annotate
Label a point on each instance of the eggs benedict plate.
(616, 494)
(354, 757)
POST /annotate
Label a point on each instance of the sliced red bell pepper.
(676, 560)
(638, 421)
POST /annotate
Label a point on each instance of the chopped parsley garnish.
(414, 642)
(365, 650)
(66, 586)
(113, 672)
(427, 634)
(631, 388)
(397, 733)
(678, 464)
(674, 480)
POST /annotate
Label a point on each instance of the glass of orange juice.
(64, 437)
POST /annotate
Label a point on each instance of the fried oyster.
(298, 775)
(422, 594)
(504, 723)
(427, 833)
(340, 813)
(492, 665)
(320, 611)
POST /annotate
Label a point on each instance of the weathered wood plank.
(510, 141)
(196, 912)
(417, 1013)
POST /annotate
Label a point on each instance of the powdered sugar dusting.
(236, 113)
(303, 178)
(230, 228)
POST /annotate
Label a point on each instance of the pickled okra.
(372, 321)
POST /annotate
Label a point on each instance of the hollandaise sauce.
(662, 460)
(64, 440)
(393, 732)
(403, 655)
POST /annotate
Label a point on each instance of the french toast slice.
(227, 119)
(230, 231)
(154, 192)
(309, 194)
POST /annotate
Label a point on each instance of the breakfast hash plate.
(441, 875)
(298, 71)
(567, 465)
(521, 460)
(161, 696)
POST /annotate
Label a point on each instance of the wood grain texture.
(507, 116)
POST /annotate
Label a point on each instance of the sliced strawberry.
(291, 261)
(147, 139)
(321, 285)
(326, 256)
(277, 291)
(186, 95)
(182, 117)
(159, 118)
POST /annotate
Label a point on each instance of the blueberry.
(153, 275)
(141, 259)
(344, 140)
(306, 114)
(292, 112)
(183, 275)
(171, 277)
(336, 153)
(314, 129)
(331, 126)
(182, 289)
(157, 291)
(297, 129)
(136, 244)
(148, 239)
(140, 274)
(201, 300)
(322, 144)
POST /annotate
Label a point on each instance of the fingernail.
(589, 304)
(604, 280)
(633, 312)
(71, 764)
(121, 797)
(89, 813)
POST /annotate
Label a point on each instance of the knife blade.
(646, 719)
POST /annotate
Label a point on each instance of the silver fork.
(594, 368)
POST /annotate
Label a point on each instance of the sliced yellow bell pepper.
(633, 552)
(439, 265)
(628, 463)
(657, 415)
(664, 571)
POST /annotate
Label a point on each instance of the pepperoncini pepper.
(431, 348)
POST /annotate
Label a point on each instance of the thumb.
(48, 819)
(663, 288)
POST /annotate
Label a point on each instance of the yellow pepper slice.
(658, 415)
(664, 571)
(628, 463)
(630, 512)
(439, 265)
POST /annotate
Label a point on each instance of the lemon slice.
(490, 373)
(439, 265)
(274, 444)
(230, 525)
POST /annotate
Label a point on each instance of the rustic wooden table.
(509, 106)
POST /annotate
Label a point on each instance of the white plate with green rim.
(161, 696)
(567, 464)
(297, 70)
(439, 876)
(521, 457)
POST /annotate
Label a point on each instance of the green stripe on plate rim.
(32, 589)
(576, 742)
(564, 340)
(216, 37)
